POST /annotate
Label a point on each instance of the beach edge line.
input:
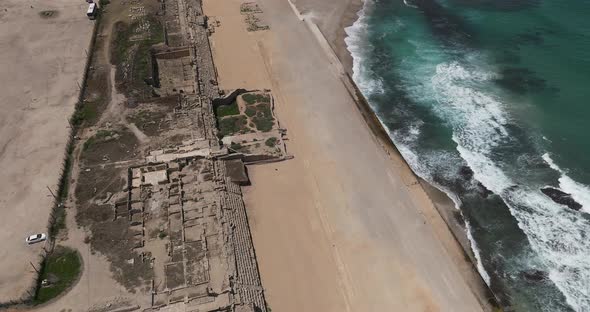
(486, 297)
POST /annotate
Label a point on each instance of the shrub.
(231, 125)
(250, 112)
(235, 146)
(249, 98)
(263, 124)
(228, 110)
(271, 142)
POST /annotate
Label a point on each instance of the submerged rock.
(483, 191)
(520, 80)
(466, 172)
(561, 197)
(535, 275)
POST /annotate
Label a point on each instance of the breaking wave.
(480, 123)
(580, 192)
(358, 46)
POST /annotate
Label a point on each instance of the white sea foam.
(357, 45)
(478, 119)
(580, 192)
(480, 268)
(423, 170)
(409, 4)
(556, 234)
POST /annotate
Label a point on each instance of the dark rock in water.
(533, 38)
(509, 57)
(521, 80)
(500, 5)
(466, 172)
(561, 197)
(458, 217)
(483, 191)
(539, 165)
(535, 275)
(512, 188)
(444, 23)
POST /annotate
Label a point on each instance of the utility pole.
(34, 268)
(50, 191)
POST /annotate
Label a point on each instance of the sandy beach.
(345, 225)
(332, 17)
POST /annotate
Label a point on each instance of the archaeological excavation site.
(160, 156)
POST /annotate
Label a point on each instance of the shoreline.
(350, 206)
(443, 204)
(442, 201)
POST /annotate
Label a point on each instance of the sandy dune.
(42, 59)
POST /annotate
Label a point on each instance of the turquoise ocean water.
(489, 100)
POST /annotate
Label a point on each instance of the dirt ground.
(232, 45)
(99, 287)
(42, 58)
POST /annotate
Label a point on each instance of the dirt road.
(42, 59)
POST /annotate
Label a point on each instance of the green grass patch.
(61, 268)
(136, 54)
(265, 110)
(232, 124)
(102, 134)
(88, 143)
(235, 146)
(263, 120)
(253, 98)
(64, 181)
(249, 98)
(143, 60)
(228, 110)
(121, 43)
(271, 142)
(87, 112)
(142, 63)
(263, 124)
(60, 221)
(250, 112)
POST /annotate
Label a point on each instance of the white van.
(92, 10)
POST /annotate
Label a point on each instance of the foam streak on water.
(356, 42)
